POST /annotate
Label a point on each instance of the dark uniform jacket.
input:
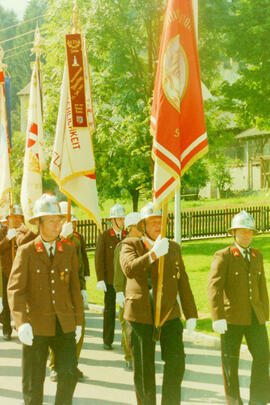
(119, 278)
(38, 291)
(84, 254)
(234, 288)
(135, 262)
(106, 244)
(23, 235)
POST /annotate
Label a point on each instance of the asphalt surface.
(107, 382)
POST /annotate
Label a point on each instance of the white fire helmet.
(146, 212)
(16, 210)
(117, 211)
(132, 219)
(243, 220)
(44, 206)
(64, 208)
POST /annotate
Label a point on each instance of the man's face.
(243, 237)
(15, 221)
(50, 227)
(153, 227)
(118, 223)
(134, 232)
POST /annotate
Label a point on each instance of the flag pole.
(158, 323)
(3, 68)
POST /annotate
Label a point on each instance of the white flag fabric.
(73, 163)
(5, 180)
(31, 188)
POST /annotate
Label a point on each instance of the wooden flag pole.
(157, 330)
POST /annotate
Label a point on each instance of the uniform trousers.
(125, 335)
(257, 341)
(7, 329)
(34, 360)
(172, 353)
(109, 315)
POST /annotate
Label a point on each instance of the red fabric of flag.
(177, 120)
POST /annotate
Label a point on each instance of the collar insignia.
(236, 252)
(39, 247)
(59, 246)
(112, 233)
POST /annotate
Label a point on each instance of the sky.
(18, 6)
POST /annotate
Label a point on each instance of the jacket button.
(52, 271)
(53, 291)
(38, 271)
(52, 281)
(53, 302)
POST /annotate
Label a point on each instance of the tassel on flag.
(73, 164)
(34, 161)
(5, 178)
(177, 121)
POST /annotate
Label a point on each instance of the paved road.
(108, 383)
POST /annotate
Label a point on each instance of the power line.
(23, 22)
(17, 47)
(15, 54)
(17, 36)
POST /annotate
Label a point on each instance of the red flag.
(177, 120)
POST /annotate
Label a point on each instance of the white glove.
(85, 298)
(266, 323)
(11, 233)
(120, 299)
(220, 326)
(161, 246)
(1, 304)
(25, 334)
(101, 286)
(191, 325)
(87, 278)
(67, 229)
(78, 333)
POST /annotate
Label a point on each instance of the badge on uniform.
(236, 252)
(62, 275)
(178, 270)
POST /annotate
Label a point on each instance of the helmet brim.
(34, 220)
(255, 231)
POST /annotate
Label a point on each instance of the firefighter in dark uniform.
(139, 261)
(104, 255)
(46, 305)
(18, 232)
(240, 308)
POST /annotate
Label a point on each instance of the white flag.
(31, 188)
(73, 163)
(5, 180)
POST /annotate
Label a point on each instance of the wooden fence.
(194, 224)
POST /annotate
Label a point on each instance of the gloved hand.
(191, 325)
(1, 304)
(78, 333)
(266, 323)
(120, 299)
(87, 278)
(220, 326)
(101, 286)
(25, 334)
(11, 233)
(161, 246)
(85, 298)
(67, 229)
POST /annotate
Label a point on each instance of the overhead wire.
(15, 54)
(22, 22)
(17, 36)
(17, 47)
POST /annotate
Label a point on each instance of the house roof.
(252, 133)
(25, 91)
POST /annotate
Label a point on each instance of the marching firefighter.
(240, 308)
(104, 255)
(67, 235)
(119, 283)
(139, 260)
(46, 305)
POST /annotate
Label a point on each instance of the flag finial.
(36, 48)
(76, 20)
(3, 66)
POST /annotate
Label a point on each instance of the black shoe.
(53, 376)
(7, 337)
(107, 347)
(129, 365)
(80, 375)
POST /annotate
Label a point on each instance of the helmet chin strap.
(116, 223)
(145, 232)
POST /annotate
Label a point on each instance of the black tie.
(246, 253)
(51, 254)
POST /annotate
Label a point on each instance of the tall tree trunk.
(135, 199)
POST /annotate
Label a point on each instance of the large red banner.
(177, 120)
